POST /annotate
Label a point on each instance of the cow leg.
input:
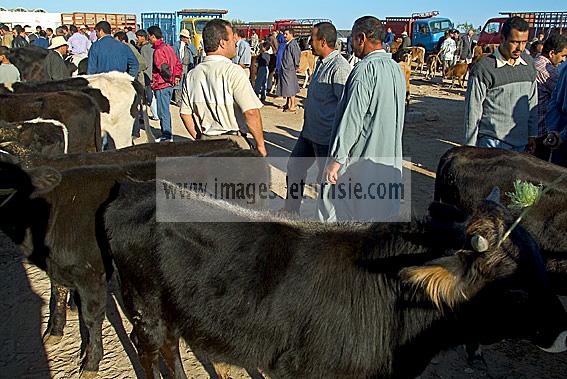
(170, 353)
(92, 298)
(57, 314)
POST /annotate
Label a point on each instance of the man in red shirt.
(166, 74)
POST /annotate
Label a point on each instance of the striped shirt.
(547, 77)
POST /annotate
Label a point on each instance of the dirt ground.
(434, 124)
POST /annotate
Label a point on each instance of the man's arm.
(92, 65)
(533, 119)
(186, 112)
(254, 122)
(474, 98)
(189, 124)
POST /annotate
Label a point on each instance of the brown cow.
(414, 54)
(459, 71)
(407, 74)
(306, 65)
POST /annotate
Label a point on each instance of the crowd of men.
(512, 102)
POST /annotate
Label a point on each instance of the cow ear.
(443, 281)
(44, 179)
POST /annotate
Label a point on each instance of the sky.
(341, 12)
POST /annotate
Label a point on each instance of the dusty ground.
(25, 289)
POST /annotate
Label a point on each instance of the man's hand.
(177, 81)
(553, 140)
(262, 150)
(532, 145)
(332, 172)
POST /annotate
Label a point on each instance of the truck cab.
(195, 25)
(427, 32)
(490, 34)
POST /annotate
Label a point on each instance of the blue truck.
(170, 22)
(424, 29)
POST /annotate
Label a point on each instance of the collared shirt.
(501, 61)
(323, 96)
(79, 44)
(449, 47)
(243, 53)
(217, 93)
(108, 54)
(547, 77)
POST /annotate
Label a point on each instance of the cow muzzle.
(559, 345)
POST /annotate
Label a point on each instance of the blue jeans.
(307, 153)
(163, 98)
(488, 141)
(261, 87)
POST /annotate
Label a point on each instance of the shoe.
(162, 139)
(153, 118)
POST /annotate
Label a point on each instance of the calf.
(306, 300)
(413, 54)
(407, 75)
(459, 71)
(433, 64)
(120, 97)
(75, 110)
(466, 174)
(53, 217)
(33, 140)
(306, 65)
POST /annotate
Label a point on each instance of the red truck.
(546, 22)
(302, 27)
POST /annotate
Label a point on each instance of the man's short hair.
(49, 30)
(38, 27)
(155, 31)
(59, 30)
(141, 33)
(129, 28)
(42, 33)
(555, 42)
(242, 34)
(214, 32)
(18, 29)
(326, 31)
(6, 28)
(66, 28)
(73, 29)
(121, 36)
(104, 26)
(515, 22)
(371, 27)
(290, 31)
(4, 51)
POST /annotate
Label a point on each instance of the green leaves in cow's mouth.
(525, 195)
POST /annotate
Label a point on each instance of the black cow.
(121, 100)
(75, 110)
(53, 215)
(304, 300)
(466, 174)
(30, 62)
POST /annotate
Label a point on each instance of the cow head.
(18, 190)
(499, 286)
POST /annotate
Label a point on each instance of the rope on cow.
(525, 196)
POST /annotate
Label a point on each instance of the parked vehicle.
(116, 20)
(424, 29)
(301, 27)
(546, 22)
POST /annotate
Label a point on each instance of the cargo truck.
(116, 20)
(546, 22)
(424, 29)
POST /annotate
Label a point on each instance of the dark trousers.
(307, 152)
(542, 152)
(559, 156)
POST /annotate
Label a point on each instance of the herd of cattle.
(293, 299)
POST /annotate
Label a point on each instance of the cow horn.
(494, 195)
(6, 143)
(479, 243)
(559, 345)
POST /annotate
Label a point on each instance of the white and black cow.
(303, 300)
(125, 97)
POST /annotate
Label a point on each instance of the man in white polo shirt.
(218, 101)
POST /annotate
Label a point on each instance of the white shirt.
(217, 93)
(501, 61)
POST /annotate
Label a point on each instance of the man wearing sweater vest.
(501, 100)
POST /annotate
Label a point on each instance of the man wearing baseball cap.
(186, 53)
(54, 63)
